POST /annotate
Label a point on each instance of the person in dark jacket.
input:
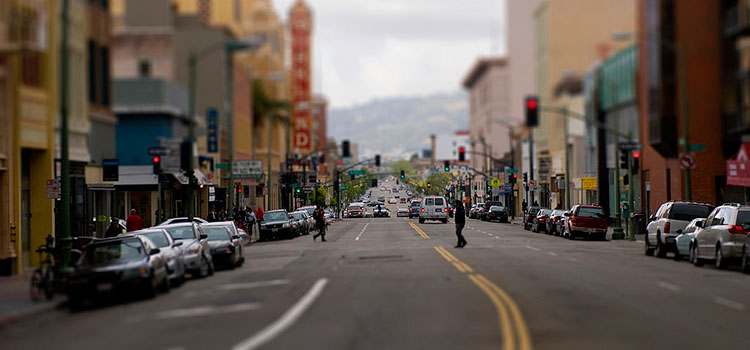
(113, 230)
(460, 218)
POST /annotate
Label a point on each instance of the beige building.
(489, 106)
(571, 35)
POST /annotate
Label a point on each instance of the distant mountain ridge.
(397, 127)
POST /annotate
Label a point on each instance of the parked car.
(327, 214)
(414, 209)
(528, 217)
(587, 221)
(126, 264)
(171, 249)
(381, 212)
(433, 208)
(486, 209)
(669, 221)
(540, 221)
(498, 213)
(402, 212)
(554, 219)
(181, 220)
(226, 248)
(724, 237)
(687, 237)
(275, 224)
(196, 253)
(233, 231)
(301, 224)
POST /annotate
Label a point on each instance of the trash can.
(640, 221)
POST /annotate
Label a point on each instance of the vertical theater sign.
(300, 21)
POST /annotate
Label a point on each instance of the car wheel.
(150, 290)
(204, 267)
(661, 251)
(677, 255)
(720, 261)
(648, 250)
(421, 221)
(694, 259)
(445, 221)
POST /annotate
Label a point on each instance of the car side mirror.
(236, 237)
(652, 218)
(203, 236)
(154, 251)
(176, 244)
(566, 214)
(699, 224)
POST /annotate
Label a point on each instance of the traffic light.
(489, 188)
(525, 177)
(396, 181)
(239, 189)
(297, 190)
(513, 178)
(345, 152)
(377, 160)
(429, 185)
(403, 175)
(624, 159)
(475, 189)
(447, 165)
(532, 111)
(625, 180)
(157, 165)
(374, 183)
(636, 162)
(461, 154)
(185, 155)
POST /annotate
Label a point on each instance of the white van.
(433, 208)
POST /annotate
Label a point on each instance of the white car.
(392, 201)
(433, 208)
(669, 221)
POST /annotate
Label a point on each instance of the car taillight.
(446, 210)
(737, 230)
(423, 210)
(666, 226)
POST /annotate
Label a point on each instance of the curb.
(17, 316)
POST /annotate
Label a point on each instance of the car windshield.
(354, 207)
(158, 237)
(298, 216)
(113, 252)
(216, 233)
(415, 204)
(181, 232)
(310, 210)
(533, 211)
(689, 211)
(275, 216)
(544, 212)
(586, 212)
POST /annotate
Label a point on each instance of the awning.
(134, 175)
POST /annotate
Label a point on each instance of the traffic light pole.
(617, 232)
(567, 158)
(63, 236)
(631, 193)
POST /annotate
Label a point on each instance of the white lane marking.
(534, 249)
(670, 286)
(552, 253)
(572, 259)
(361, 232)
(729, 303)
(285, 321)
(207, 310)
(235, 286)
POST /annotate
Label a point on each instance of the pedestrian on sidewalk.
(212, 216)
(251, 218)
(259, 213)
(133, 222)
(320, 222)
(460, 218)
(113, 229)
(222, 215)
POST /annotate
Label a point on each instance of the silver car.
(181, 220)
(197, 254)
(237, 238)
(171, 249)
(433, 208)
(724, 236)
(300, 222)
(685, 239)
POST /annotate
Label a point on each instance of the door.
(25, 209)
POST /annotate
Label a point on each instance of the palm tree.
(266, 107)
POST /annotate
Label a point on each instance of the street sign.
(356, 172)
(700, 147)
(495, 182)
(159, 151)
(537, 188)
(222, 166)
(247, 169)
(532, 183)
(588, 183)
(511, 171)
(738, 170)
(630, 146)
(53, 188)
(341, 188)
(687, 160)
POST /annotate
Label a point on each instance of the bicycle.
(42, 278)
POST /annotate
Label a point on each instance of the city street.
(392, 283)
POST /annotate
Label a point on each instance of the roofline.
(478, 69)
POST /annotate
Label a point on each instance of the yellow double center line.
(512, 324)
(419, 230)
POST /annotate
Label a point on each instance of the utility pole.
(617, 231)
(228, 106)
(63, 237)
(269, 120)
(567, 157)
(684, 116)
(631, 190)
(531, 165)
(192, 61)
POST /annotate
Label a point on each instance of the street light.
(230, 46)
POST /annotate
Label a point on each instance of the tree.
(318, 196)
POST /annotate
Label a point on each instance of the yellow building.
(28, 83)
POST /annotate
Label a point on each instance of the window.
(92, 68)
(439, 201)
(429, 202)
(104, 97)
(144, 68)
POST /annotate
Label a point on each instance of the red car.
(587, 221)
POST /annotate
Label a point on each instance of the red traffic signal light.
(531, 103)
(636, 154)
(157, 159)
(532, 111)
(156, 165)
(461, 154)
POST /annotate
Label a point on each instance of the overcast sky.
(365, 49)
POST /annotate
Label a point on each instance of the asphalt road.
(391, 283)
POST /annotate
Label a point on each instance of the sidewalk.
(15, 299)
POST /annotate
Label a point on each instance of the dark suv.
(528, 217)
(486, 210)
